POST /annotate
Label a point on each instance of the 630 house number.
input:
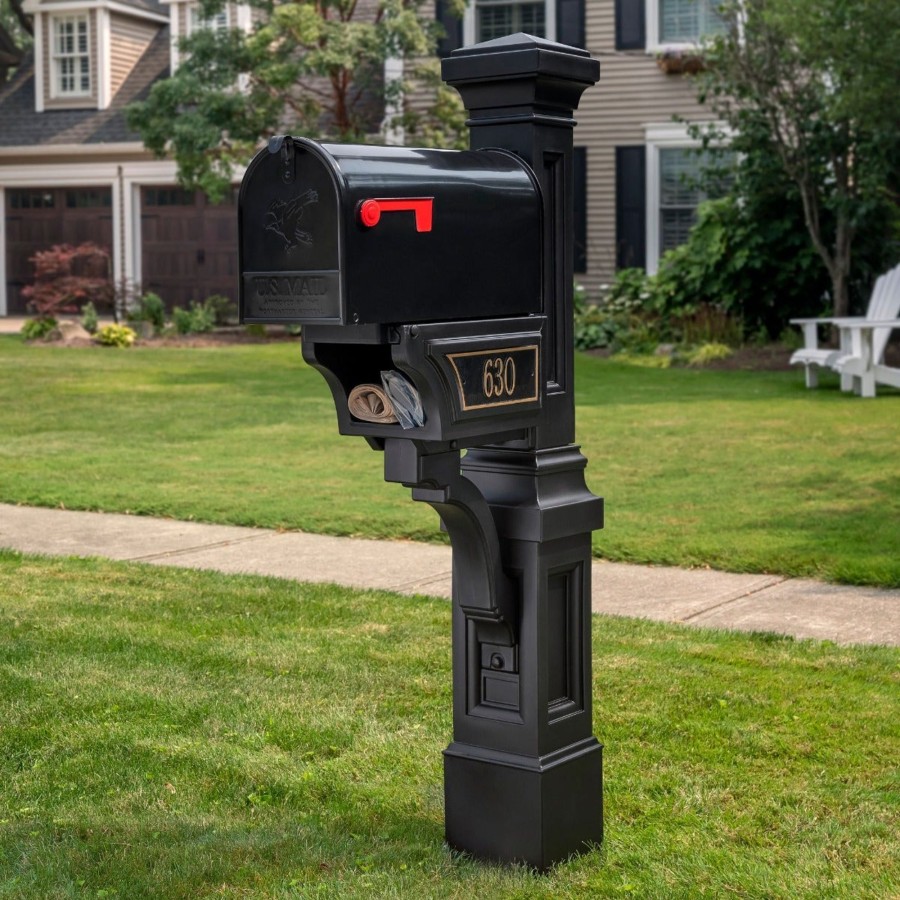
(498, 378)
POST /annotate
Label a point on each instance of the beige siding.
(632, 93)
(46, 50)
(129, 38)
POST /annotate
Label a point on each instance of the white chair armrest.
(863, 324)
(828, 321)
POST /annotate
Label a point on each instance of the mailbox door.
(289, 218)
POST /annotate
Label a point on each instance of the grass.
(186, 734)
(742, 471)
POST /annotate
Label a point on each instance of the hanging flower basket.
(680, 62)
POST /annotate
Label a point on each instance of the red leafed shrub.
(67, 277)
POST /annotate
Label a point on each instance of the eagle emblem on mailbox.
(284, 217)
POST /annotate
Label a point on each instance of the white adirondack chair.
(863, 340)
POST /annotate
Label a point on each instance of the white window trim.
(193, 11)
(55, 92)
(174, 37)
(104, 56)
(469, 21)
(39, 69)
(653, 44)
(660, 136)
(242, 19)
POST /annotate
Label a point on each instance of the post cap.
(518, 55)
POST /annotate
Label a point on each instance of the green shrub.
(198, 318)
(707, 353)
(734, 277)
(222, 309)
(150, 308)
(617, 323)
(115, 336)
(35, 329)
(89, 317)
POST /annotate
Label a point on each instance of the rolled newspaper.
(370, 403)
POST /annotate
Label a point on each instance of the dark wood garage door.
(36, 219)
(188, 245)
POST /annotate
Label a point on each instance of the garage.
(188, 245)
(38, 218)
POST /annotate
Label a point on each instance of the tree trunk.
(840, 291)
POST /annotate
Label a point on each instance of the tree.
(313, 67)
(66, 277)
(813, 82)
(16, 22)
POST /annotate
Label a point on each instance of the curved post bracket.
(483, 590)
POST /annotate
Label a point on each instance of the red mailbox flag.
(370, 210)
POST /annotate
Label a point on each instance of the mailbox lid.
(307, 256)
(480, 256)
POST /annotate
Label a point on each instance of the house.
(70, 170)
(631, 200)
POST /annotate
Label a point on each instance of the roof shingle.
(21, 126)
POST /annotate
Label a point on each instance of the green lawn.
(742, 471)
(168, 734)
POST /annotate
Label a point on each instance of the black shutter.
(579, 244)
(570, 22)
(631, 208)
(630, 34)
(452, 25)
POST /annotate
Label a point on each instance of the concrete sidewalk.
(802, 608)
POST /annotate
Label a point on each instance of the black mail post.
(434, 290)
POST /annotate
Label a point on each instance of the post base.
(519, 809)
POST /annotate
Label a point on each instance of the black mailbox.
(435, 293)
(344, 234)
(421, 262)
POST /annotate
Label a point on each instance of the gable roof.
(150, 6)
(21, 126)
(153, 6)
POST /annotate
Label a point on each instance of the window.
(71, 57)
(27, 199)
(197, 22)
(487, 20)
(168, 197)
(88, 199)
(496, 19)
(686, 21)
(682, 22)
(673, 192)
(679, 195)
